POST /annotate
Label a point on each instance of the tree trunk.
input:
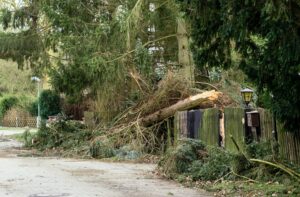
(185, 58)
(203, 100)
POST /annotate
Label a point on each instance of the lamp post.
(250, 132)
(247, 96)
(38, 80)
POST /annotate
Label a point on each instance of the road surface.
(56, 177)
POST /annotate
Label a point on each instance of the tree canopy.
(100, 48)
(266, 37)
(107, 49)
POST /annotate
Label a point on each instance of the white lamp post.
(38, 80)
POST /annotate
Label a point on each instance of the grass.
(10, 129)
(18, 137)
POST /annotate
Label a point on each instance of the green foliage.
(5, 18)
(259, 150)
(22, 86)
(33, 108)
(215, 166)
(193, 159)
(102, 149)
(25, 48)
(142, 59)
(50, 103)
(178, 159)
(93, 46)
(28, 138)
(266, 37)
(6, 103)
(201, 163)
(62, 134)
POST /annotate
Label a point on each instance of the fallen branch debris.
(203, 100)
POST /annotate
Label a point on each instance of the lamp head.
(34, 78)
(247, 95)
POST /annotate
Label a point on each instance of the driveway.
(5, 131)
(57, 177)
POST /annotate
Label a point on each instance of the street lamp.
(38, 80)
(247, 95)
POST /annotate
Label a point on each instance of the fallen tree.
(203, 100)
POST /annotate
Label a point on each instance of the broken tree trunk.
(203, 100)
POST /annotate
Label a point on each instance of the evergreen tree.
(266, 36)
(95, 47)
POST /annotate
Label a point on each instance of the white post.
(38, 123)
(38, 119)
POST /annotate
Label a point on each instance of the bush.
(61, 134)
(28, 138)
(6, 103)
(259, 150)
(102, 149)
(214, 166)
(178, 159)
(33, 108)
(193, 159)
(49, 103)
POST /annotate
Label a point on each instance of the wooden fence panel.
(266, 124)
(297, 147)
(180, 124)
(198, 124)
(209, 129)
(235, 126)
(18, 118)
(281, 141)
(289, 144)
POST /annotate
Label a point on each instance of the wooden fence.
(234, 121)
(18, 118)
(209, 126)
(199, 124)
(289, 145)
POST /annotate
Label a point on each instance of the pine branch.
(144, 45)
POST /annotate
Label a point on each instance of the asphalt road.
(57, 177)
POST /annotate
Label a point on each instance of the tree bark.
(185, 58)
(203, 100)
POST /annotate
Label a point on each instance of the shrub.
(61, 134)
(33, 108)
(49, 103)
(179, 159)
(6, 103)
(214, 166)
(259, 150)
(28, 138)
(102, 149)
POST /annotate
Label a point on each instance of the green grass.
(10, 129)
(17, 137)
